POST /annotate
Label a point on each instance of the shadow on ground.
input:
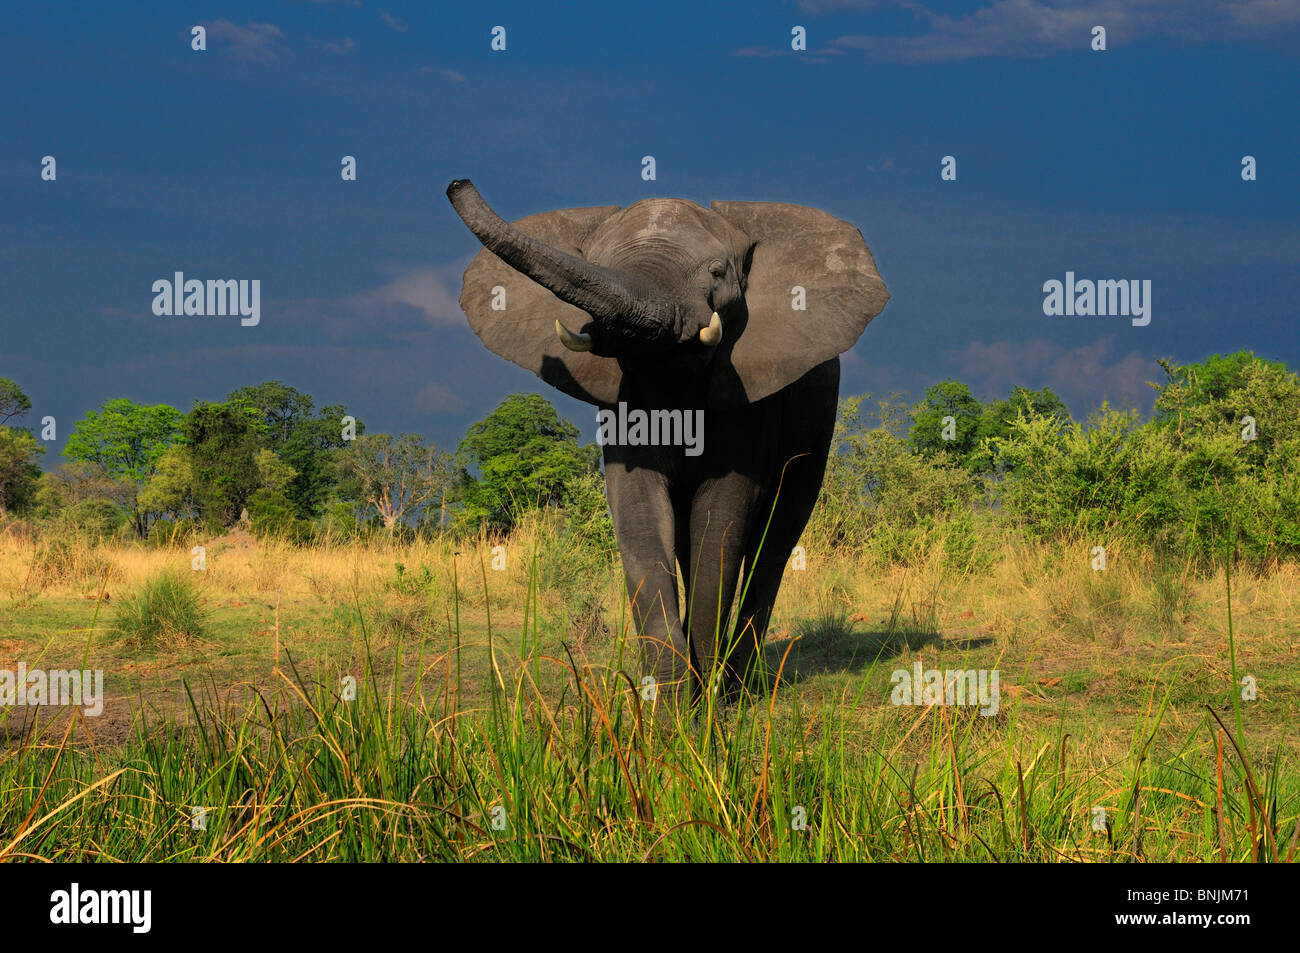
(831, 645)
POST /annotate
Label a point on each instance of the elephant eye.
(717, 268)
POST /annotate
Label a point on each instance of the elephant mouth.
(626, 316)
(710, 335)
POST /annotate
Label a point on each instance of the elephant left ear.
(811, 289)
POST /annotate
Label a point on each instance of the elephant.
(734, 315)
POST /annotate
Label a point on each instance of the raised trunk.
(603, 293)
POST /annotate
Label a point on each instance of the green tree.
(997, 418)
(222, 440)
(398, 476)
(526, 457)
(13, 402)
(171, 488)
(957, 438)
(19, 473)
(308, 440)
(972, 437)
(126, 440)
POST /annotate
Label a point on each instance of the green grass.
(467, 725)
(166, 612)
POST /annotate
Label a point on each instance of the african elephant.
(734, 315)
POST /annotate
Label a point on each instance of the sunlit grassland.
(494, 717)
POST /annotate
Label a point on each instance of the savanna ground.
(490, 721)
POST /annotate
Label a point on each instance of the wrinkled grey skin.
(640, 284)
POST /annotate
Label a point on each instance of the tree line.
(269, 458)
(1217, 457)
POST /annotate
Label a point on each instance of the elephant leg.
(719, 518)
(792, 493)
(765, 564)
(646, 529)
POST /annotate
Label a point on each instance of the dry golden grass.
(1086, 657)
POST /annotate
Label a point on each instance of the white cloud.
(1028, 28)
(450, 75)
(435, 398)
(256, 41)
(431, 290)
(1082, 376)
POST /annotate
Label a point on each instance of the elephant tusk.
(574, 342)
(713, 333)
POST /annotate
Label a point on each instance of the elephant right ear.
(515, 316)
(811, 288)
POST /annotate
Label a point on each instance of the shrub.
(338, 523)
(271, 514)
(1182, 480)
(166, 612)
(93, 520)
(882, 495)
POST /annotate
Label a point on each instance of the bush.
(1185, 480)
(338, 523)
(882, 495)
(95, 520)
(271, 514)
(166, 612)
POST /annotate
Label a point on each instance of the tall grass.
(166, 612)
(555, 758)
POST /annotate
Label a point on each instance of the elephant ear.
(524, 331)
(797, 247)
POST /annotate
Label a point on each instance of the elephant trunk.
(601, 292)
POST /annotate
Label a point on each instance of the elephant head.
(747, 295)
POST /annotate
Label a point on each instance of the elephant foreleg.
(646, 530)
(719, 519)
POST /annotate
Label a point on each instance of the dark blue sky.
(225, 164)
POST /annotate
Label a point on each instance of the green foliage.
(223, 440)
(526, 457)
(338, 523)
(273, 474)
(171, 488)
(1180, 479)
(306, 439)
(13, 402)
(19, 473)
(949, 398)
(271, 513)
(94, 520)
(882, 494)
(976, 430)
(166, 612)
(83, 500)
(997, 418)
(125, 440)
